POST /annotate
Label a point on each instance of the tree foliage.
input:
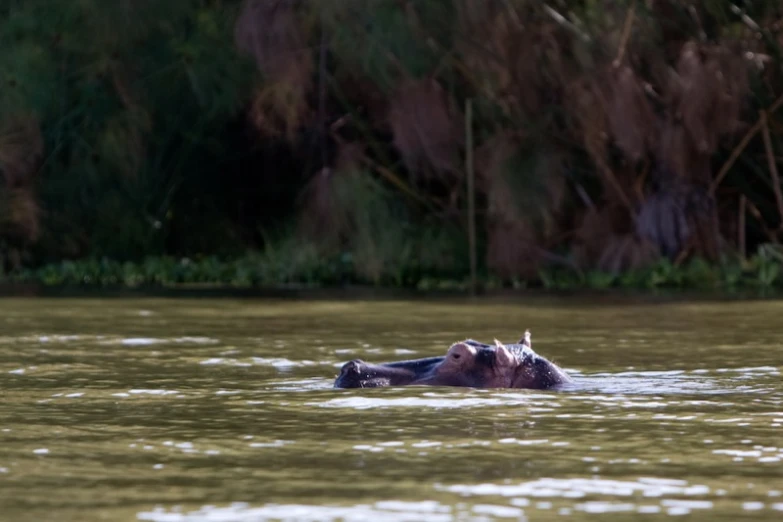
(609, 135)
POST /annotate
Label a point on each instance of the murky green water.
(222, 410)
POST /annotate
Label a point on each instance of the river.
(222, 409)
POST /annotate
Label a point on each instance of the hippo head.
(466, 364)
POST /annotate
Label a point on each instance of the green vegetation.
(615, 144)
(300, 265)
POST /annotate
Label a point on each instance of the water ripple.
(239, 511)
(171, 410)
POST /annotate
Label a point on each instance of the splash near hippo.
(467, 363)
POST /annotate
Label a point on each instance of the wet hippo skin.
(467, 363)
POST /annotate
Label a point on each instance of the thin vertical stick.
(626, 34)
(773, 167)
(471, 193)
(741, 226)
(322, 90)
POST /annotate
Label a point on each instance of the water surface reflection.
(184, 410)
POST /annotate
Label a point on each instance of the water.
(174, 410)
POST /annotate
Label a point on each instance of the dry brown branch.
(683, 255)
(389, 175)
(741, 226)
(773, 168)
(625, 35)
(754, 211)
(613, 182)
(741, 146)
(587, 100)
(565, 22)
(640, 182)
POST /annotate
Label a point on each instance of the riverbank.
(258, 273)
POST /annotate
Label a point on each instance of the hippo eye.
(455, 355)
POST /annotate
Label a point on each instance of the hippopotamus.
(467, 363)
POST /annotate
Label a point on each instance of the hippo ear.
(526, 339)
(461, 351)
(503, 356)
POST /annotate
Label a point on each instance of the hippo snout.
(359, 374)
(350, 374)
(352, 367)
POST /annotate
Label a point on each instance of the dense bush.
(611, 140)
